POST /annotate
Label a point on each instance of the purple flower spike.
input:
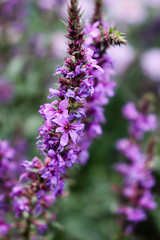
(64, 119)
(137, 175)
(130, 112)
(104, 88)
(140, 122)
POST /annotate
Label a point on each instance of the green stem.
(26, 233)
(97, 11)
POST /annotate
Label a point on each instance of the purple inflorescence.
(28, 196)
(71, 121)
(31, 198)
(4, 227)
(137, 174)
(140, 122)
(31, 194)
(102, 84)
(8, 178)
(62, 132)
(63, 129)
(74, 118)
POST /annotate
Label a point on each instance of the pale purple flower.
(92, 31)
(127, 11)
(129, 111)
(16, 190)
(150, 62)
(4, 227)
(147, 123)
(53, 93)
(147, 201)
(42, 228)
(57, 160)
(35, 163)
(20, 205)
(93, 63)
(83, 157)
(68, 130)
(9, 170)
(133, 214)
(61, 70)
(50, 111)
(46, 5)
(129, 149)
(139, 122)
(94, 130)
(137, 175)
(122, 57)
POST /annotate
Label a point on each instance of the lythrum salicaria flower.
(138, 180)
(63, 129)
(100, 37)
(9, 170)
(150, 62)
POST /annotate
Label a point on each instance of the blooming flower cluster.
(62, 132)
(71, 121)
(100, 37)
(28, 197)
(138, 179)
(32, 198)
(140, 121)
(7, 181)
(63, 129)
(103, 88)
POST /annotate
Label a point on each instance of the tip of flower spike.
(116, 38)
(98, 11)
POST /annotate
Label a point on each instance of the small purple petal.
(64, 139)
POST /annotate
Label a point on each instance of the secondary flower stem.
(97, 11)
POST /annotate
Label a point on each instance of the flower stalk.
(100, 37)
(138, 180)
(97, 16)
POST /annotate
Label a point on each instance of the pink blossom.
(67, 130)
(150, 62)
(127, 11)
(130, 111)
(122, 57)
